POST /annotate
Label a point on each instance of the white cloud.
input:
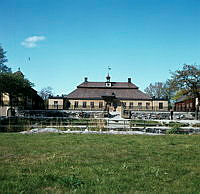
(32, 41)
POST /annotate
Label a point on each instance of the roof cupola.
(108, 78)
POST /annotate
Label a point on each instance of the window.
(147, 105)
(124, 103)
(92, 104)
(76, 104)
(84, 104)
(139, 105)
(28, 99)
(55, 103)
(160, 105)
(108, 84)
(131, 105)
(100, 104)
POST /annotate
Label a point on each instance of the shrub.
(175, 129)
(145, 123)
(196, 125)
(172, 124)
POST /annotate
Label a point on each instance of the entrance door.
(111, 102)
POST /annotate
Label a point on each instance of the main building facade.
(108, 96)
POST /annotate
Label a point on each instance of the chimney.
(86, 79)
(129, 80)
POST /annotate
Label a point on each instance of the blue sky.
(67, 40)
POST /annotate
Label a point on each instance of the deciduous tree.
(46, 92)
(157, 90)
(15, 86)
(187, 82)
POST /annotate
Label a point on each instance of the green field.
(54, 163)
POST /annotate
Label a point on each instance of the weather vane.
(109, 69)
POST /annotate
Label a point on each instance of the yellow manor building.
(107, 96)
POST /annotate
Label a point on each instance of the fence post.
(87, 125)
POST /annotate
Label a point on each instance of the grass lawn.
(54, 163)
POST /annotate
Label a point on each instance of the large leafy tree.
(15, 85)
(187, 82)
(3, 60)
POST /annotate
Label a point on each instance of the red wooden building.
(185, 104)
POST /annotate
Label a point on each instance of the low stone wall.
(184, 115)
(161, 115)
(103, 114)
(61, 113)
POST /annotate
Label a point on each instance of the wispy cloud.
(32, 41)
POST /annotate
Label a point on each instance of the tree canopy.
(187, 80)
(3, 60)
(15, 85)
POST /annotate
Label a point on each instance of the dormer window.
(108, 84)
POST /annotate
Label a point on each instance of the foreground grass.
(53, 163)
